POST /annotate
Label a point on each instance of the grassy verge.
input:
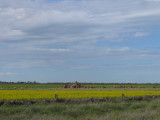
(121, 110)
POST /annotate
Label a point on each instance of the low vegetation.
(61, 85)
(111, 110)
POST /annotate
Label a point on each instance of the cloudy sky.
(83, 40)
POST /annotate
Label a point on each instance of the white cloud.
(153, 0)
(110, 50)
(1, 74)
(9, 74)
(59, 50)
(140, 34)
(55, 50)
(36, 33)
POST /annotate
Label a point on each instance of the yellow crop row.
(50, 94)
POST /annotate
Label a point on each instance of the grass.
(122, 110)
(124, 86)
(51, 86)
(29, 86)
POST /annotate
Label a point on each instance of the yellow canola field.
(50, 94)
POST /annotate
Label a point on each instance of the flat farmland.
(37, 101)
(60, 85)
(71, 94)
(30, 86)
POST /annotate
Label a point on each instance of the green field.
(30, 86)
(125, 86)
(51, 86)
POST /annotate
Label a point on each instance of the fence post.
(123, 96)
(56, 97)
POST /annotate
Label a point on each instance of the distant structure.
(74, 85)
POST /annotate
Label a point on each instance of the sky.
(103, 41)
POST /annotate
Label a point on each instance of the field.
(71, 94)
(30, 86)
(51, 86)
(115, 108)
